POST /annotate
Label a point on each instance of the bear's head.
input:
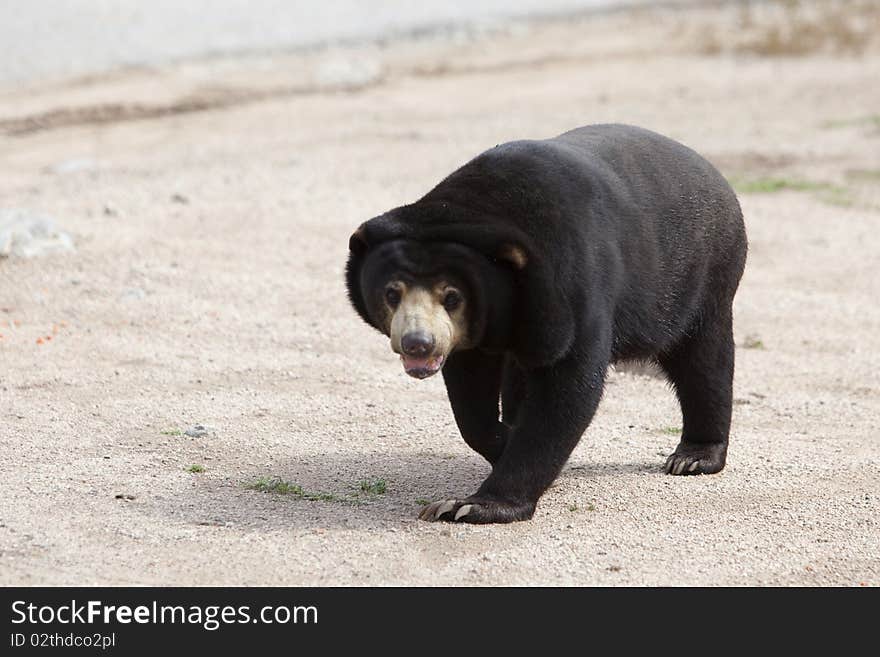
(432, 298)
(464, 277)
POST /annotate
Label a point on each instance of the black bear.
(534, 266)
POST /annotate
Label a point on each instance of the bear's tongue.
(412, 363)
(421, 367)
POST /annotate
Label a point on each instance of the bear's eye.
(452, 300)
(392, 296)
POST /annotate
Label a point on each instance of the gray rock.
(27, 234)
(197, 431)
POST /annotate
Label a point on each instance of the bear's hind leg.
(701, 370)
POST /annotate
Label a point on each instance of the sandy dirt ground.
(211, 204)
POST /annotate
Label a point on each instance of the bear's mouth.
(422, 368)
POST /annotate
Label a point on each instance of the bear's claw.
(433, 511)
(682, 464)
(675, 464)
(463, 511)
(694, 460)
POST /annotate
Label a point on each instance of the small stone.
(125, 496)
(197, 431)
(28, 234)
(179, 198)
(132, 294)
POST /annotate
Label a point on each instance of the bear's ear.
(357, 243)
(513, 254)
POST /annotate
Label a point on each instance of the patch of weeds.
(172, 432)
(572, 507)
(275, 485)
(871, 121)
(423, 502)
(195, 469)
(825, 192)
(280, 487)
(771, 185)
(373, 486)
(753, 342)
(591, 507)
(672, 431)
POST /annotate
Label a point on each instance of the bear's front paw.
(477, 510)
(695, 458)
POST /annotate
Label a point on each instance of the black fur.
(635, 246)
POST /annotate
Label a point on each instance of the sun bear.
(529, 270)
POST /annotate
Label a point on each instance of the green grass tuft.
(672, 431)
(824, 191)
(753, 342)
(280, 487)
(195, 469)
(172, 432)
(872, 120)
(771, 185)
(373, 486)
(276, 485)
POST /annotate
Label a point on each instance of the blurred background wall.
(56, 39)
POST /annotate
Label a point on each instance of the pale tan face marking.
(422, 309)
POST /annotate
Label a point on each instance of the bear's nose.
(417, 343)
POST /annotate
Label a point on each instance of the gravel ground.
(206, 289)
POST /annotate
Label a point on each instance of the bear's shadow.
(360, 490)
